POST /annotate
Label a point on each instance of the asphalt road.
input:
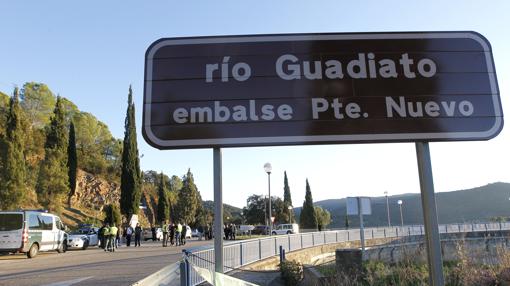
(90, 267)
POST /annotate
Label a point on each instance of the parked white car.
(188, 232)
(245, 229)
(83, 238)
(147, 234)
(289, 228)
(195, 233)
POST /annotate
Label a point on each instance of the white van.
(29, 232)
(289, 228)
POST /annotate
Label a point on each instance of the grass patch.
(326, 269)
(245, 237)
(490, 270)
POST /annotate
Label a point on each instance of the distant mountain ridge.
(228, 210)
(478, 204)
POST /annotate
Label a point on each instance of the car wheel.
(62, 248)
(32, 252)
(85, 245)
(274, 233)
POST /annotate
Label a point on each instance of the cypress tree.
(308, 218)
(188, 200)
(163, 204)
(53, 181)
(112, 215)
(131, 179)
(287, 199)
(56, 134)
(12, 187)
(72, 163)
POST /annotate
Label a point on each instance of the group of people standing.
(230, 231)
(205, 232)
(129, 232)
(109, 236)
(174, 232)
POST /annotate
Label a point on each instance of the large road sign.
(320, 88)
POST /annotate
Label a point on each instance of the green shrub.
(291, 272)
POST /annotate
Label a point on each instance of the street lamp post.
(290, 213)
(387, 208)
(401, 216)
(268, 169)
(265, 211)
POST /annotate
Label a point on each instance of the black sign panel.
(320, 88)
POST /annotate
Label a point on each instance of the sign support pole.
(428, 202)
(218, 212)
(361, 227)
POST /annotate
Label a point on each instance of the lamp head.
(268, 168)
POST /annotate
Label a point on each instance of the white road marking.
(69, 282)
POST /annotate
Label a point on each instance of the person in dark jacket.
(138, 234)
(153, 230)
(117, 239)
(183, 235)
(171, 231)
(200, 230)
(100, 236)
(210, 230)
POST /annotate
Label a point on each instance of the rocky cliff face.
(94, 193)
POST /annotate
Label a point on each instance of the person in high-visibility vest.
(113, 236)
(178, 232)
(164, 227)
(106, 236)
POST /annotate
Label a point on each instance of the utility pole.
(387, 207)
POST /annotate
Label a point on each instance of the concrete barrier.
(167, 276)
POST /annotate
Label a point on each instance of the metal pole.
(265, 211)
(361, 227)
(401, 216)
(270, 216)
(388, 209)
(428, 202)
(218, 212)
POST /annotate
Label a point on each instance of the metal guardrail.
(238, 254)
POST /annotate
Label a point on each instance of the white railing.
(241, 253)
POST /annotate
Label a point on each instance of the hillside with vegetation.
(481, 204)
(55, 156)
(230, 213)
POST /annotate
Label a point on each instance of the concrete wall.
(482, 250)
(477, 244)
(314, 254)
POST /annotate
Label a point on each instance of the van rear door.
(11, 230)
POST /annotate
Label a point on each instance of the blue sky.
(92, 51)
